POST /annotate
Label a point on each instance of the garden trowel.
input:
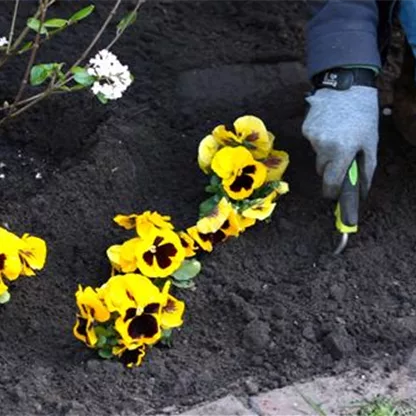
(346, 211)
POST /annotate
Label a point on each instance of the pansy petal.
(206, 152)
(213, 221)
(276, 163)
(224, 137)
(188, 244)
(160, 253)
(252, 132)
(172, 313)
(204, 241)
(126, 221)
(34, 252)
(10, 265)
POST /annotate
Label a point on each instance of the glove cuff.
(342, 79)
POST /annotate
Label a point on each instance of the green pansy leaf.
(102, 340)
(55, 23)
(35, 25)
(166, 338)
(4, 297)
(126, 21)
(82, 14)
(188, 270)
(186, 284)
(38, 75)
(206, 207)
(112, 341)
(105, 353)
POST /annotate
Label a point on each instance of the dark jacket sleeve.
(342, 32)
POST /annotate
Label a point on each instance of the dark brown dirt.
(274, 305)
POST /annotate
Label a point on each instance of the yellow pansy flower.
(91, 309)
(125, 291)
(130, 358)
(144, 222)
(160, 253)
(172, 309)
(213, 221)
(276, 163)
(138, 302)
(206, 151)
(204, 241)
(240, 173)
(248, 131)
(252, 132)
(188, 244)
(32, 254)
(260, 210)
(123, 257)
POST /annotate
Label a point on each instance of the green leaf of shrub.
(101, 98)
(26, 47)
(126, 21)
(188, 270)
(38, 75)
(35, 25)
(82, 14)
(4, 297)
(81, 76)
(56, 23)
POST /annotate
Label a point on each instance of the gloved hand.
(339, 125)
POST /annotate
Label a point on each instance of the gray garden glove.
(339, 125)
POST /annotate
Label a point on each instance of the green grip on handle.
(346, 212)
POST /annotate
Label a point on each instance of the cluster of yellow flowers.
(134, 309)
(246, 176)
(125, 316)
(19, 257)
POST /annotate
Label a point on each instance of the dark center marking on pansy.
(143, 326)
(132, 356)
(157, 241)
(129, 295)
(253, 137)
(218, 237)
(170, 306)
(152, 308)
(164, 253)
(184, 243)
(242, 182)
(2, 261)
(81, 326)
(249, 170)
(130, 313)
(272, 162)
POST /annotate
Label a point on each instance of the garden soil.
(274, 306)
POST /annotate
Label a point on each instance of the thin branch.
(11, 34)
(118, 35)
(97, 36)
(43, 8)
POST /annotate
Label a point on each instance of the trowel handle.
(348, 205)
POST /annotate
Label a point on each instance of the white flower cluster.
(3, 41)
(113, 78)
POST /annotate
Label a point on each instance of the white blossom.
(3, 41)
(113, 78)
